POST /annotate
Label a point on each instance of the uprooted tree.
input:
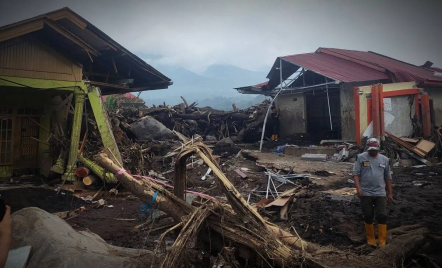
(242, 228)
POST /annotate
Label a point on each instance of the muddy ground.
(330, 216)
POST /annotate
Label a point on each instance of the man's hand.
(5, 224)
(390, 197)
(359, 191)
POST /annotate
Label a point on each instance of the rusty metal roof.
(397, 70)
(335, 68)
(352, 66)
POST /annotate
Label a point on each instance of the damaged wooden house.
(52, 67)
(328, 94)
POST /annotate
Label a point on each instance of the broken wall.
(436, 96)
(398, 110)
(292, 114)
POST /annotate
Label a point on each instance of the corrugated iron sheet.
(335, 68)
(398, 71)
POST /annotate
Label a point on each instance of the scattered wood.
(90, 180)
(424, 146)
(240, 173)
(410, 140)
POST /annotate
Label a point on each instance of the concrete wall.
(348, 109)
(293, 114)
(436, 96)
(348, 127)
(397, 119)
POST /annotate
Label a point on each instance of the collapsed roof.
(105, 63)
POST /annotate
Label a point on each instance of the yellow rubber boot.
(276, 137)
(382, 234)
(369, 229)
(273, 137)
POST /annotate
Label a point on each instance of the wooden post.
(75, 136)
(381, 111)
(426, 116)
(375, 111)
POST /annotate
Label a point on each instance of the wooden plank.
(240, 173)
(410, 140)
(424, 146)
(405, 145)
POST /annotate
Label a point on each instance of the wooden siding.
(22, 57)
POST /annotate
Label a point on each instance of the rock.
(55, 244)
(225, 142)
(210, 138)
(148, 128)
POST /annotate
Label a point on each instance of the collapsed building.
(52, 68)
(325, 94)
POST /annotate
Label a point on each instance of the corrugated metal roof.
(398, 71)
(353, 66)
(335, 68)
(126, 95)
(261, 84)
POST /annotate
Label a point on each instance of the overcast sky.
(251, 34)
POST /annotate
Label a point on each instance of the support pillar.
(75, 136)
(426, 115)
(381, 111)
(107, 136)
(376, 117)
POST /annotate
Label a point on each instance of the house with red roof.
(320, 93)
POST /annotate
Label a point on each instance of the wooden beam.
(71, 37)
(96, 83)
(21, 30)
(114, 65)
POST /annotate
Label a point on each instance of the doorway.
(318, 118)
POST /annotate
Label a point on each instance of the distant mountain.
(214, 87)
(237, 76)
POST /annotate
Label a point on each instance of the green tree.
(111, 103)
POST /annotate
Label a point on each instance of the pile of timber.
(191, 120)
(418, 148)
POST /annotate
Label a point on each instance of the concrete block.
(314, 157)
(299, 151)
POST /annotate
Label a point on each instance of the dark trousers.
(374, 204)
(275, 126)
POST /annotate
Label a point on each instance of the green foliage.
(111, 103)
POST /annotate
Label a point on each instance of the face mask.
(373, 153)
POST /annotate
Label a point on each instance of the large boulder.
(148, 128)
(55, 244)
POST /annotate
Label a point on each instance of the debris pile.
(190, 120)
(410, 151)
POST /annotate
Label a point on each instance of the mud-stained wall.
(436, 96)
(292, 119)
(348, 123)
(348, 131)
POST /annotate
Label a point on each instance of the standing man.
(274, 123)
(373, 184)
